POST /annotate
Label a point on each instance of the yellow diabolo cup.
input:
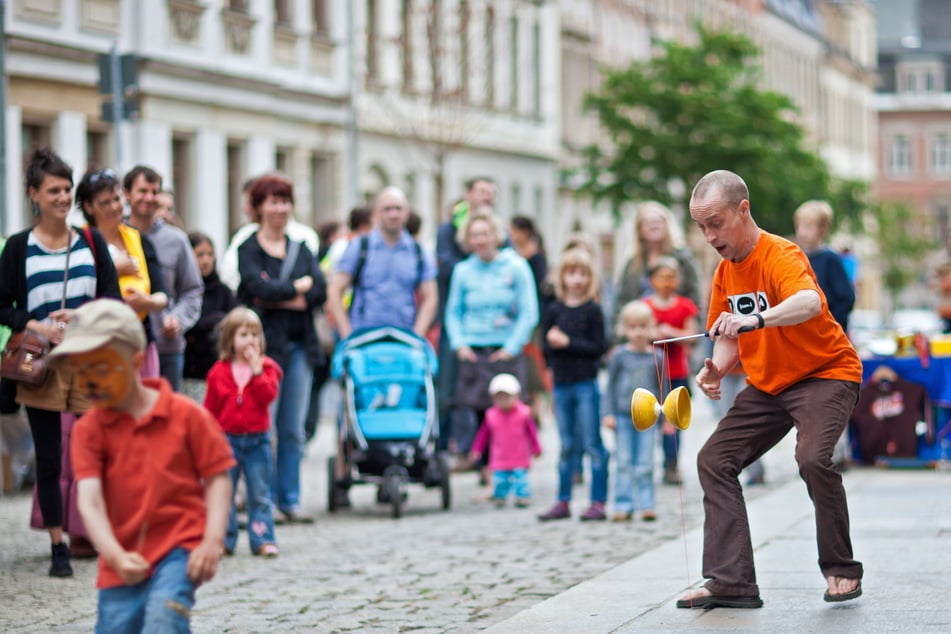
(645, 409)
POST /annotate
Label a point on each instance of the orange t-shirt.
(776, 357)
(151, 471)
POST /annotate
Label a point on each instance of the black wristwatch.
(759, 318)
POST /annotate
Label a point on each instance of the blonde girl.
(573, 326)
(242, 384)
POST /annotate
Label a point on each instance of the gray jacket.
(182, 281)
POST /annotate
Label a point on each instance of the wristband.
(762, 322)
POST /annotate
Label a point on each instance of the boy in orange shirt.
(152, 468)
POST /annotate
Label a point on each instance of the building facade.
(225, 90)
(452, 89)
(429, 94)
(914, 108)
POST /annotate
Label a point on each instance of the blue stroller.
(389, 429)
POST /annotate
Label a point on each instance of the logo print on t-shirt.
(748, 303)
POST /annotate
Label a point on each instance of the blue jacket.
(492, 303)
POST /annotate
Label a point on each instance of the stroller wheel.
(444, 486)
(331, 484)
(337, 492)
(393, 487)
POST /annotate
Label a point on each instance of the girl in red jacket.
(242, 384)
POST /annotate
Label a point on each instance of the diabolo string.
(665, 388)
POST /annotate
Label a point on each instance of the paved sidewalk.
(901, 531)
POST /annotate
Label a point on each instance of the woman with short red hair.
(282, 282)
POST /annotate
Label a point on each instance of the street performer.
(802, 371)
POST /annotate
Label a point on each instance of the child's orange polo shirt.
(777, 357)
(151, 472)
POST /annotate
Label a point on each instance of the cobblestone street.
(361, 570)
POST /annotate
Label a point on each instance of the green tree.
(903, 241)
(693, 109)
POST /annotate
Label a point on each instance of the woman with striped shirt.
(38, 292)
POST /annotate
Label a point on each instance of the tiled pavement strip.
(360, 570)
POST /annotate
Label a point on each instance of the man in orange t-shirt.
(152, 472)
(768, 312)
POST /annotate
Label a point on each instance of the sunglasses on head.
(95, 177)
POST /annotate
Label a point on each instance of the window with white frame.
(941, 154)
(371, 52)
(899, 155)
(406, 44)
(513, 62)
(320, 16)
(920, 76)
(183, 166)
(489, 36)
(283, 13)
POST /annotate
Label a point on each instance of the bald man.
(769, 314)
(393, 278)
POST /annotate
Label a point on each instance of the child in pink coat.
(510, 434)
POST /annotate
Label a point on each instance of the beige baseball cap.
(96, 323)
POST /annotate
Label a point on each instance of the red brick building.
(914, 106)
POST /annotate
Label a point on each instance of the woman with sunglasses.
(99, 197)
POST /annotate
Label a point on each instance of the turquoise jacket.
(492, 303)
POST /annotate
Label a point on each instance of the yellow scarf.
(140, 281)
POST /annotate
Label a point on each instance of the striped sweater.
(31, 277)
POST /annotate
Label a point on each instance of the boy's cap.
(96, 323)
(505, 383)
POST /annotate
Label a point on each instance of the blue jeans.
(635, 466)
(671, 442)
(171, 368)
(507, 479)
(577, 410)
(157, 605)
(289, 411)
(253, 455)
(445, 386)
(464, 422)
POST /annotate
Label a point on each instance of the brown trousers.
(819, 409)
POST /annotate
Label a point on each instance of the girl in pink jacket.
(509, 433)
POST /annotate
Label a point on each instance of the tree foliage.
(902, 241)
(693, 109)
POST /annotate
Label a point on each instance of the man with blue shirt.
(394, 284)
(393, 279)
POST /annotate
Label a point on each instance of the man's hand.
(203, 562)
(609, 421)
(708, 379)
(171, 327)
(728, 325)
(465, 353)
(132, 567)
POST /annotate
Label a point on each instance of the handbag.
(26, 355)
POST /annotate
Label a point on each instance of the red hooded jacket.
(242, 411)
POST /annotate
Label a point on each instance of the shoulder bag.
(25, 357)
